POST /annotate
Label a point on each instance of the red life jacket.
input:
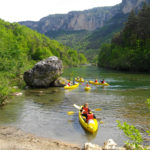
(89, 116)
(85, 110)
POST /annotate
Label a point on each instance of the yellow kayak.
(72, 86)
(79, 80)
(91, 127)
(87, 88)
(98, 83)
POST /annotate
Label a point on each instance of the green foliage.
(4, 90)
(6, 86)
(148, 102)
(135, 138)
(82, 58)
(148, 132)
(132, 133)
(41, 53)
(130, 49)
(21, 48)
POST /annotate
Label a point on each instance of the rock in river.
(44, 72)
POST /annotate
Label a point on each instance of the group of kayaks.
(87, 88)
(99, 83)
(91, 126)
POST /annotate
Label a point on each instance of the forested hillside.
(21, 48)
(89, 42)
(87, 30)
(130, 49)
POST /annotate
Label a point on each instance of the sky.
(23, 10)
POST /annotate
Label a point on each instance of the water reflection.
(11, 112)
(45, 97)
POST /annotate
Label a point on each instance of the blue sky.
(22, 10)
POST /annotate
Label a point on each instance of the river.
(43, 112)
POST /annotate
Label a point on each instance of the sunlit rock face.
(44, 73)
(128, 5)
(89, 20)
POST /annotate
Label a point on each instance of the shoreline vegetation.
(130, 49)
(20, 49)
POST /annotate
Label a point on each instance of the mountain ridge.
(87, 30)
(89, 20)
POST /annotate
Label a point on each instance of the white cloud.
(19, 10)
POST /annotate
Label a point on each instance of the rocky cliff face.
(83, 20)
(128, 5)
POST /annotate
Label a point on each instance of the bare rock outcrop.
(108, 145)
(44, 73)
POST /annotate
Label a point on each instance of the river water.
(43, 112)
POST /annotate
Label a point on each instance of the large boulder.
(44, 73)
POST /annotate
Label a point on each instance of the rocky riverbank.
(15, 139)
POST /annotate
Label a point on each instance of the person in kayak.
(68, 83)
(103, 81)
(85, 110)
(90, 117)
(87, 84)
(78, 78)
(96, 81)
(73, 82)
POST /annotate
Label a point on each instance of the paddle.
(100, 120)
(78, 107)
(70, 112)
(97, 109)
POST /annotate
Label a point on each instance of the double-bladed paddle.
(79, 107)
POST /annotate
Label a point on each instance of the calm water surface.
(44, 111)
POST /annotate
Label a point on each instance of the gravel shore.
(15, 139)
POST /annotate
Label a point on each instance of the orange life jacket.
(85, 110)
(89, 116)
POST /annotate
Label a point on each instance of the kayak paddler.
(87, 84)
(68, 83)
(85, 110)
(96, 80)
(90, 117)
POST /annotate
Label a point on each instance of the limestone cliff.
(128, 5)
(83, 20)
